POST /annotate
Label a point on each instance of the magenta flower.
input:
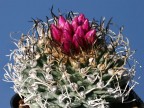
(73, 35)
(56, 33)
(61, 21)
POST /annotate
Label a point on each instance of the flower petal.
(68, 27)
(81, 18)
(67, 35)
(91, 36)
(61, 21)
(56, 33)
(66, 47)
(75, 43)
(86, 25)
(80, 32)
(78, 41)
(75, 23)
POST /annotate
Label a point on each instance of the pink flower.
(66, 46)
(90, 36)
(61, 21)
(81, 19)
(56, 33)
(85, 25)
(75, 23)
(79, 34)
(66, 36)
(68, 27)
(73, 35)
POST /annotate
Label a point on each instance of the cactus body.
(71, 63)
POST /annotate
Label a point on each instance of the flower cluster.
(73, 35)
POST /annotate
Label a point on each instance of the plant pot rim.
(14, 102)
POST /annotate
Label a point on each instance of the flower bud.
(56, 33)
(75, 43)
(90, 36)
(61, 21)
(66, 46)
(78, 42)
(66, 36)
(75, 23)
(68, 28)
(85, 25)
(80, 31)
(80, 36)
(81, 18)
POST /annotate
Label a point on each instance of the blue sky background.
(15, 14)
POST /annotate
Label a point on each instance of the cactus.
(71, 63)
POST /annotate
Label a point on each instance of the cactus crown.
(71, 62)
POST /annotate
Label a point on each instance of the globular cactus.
(71, 63)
